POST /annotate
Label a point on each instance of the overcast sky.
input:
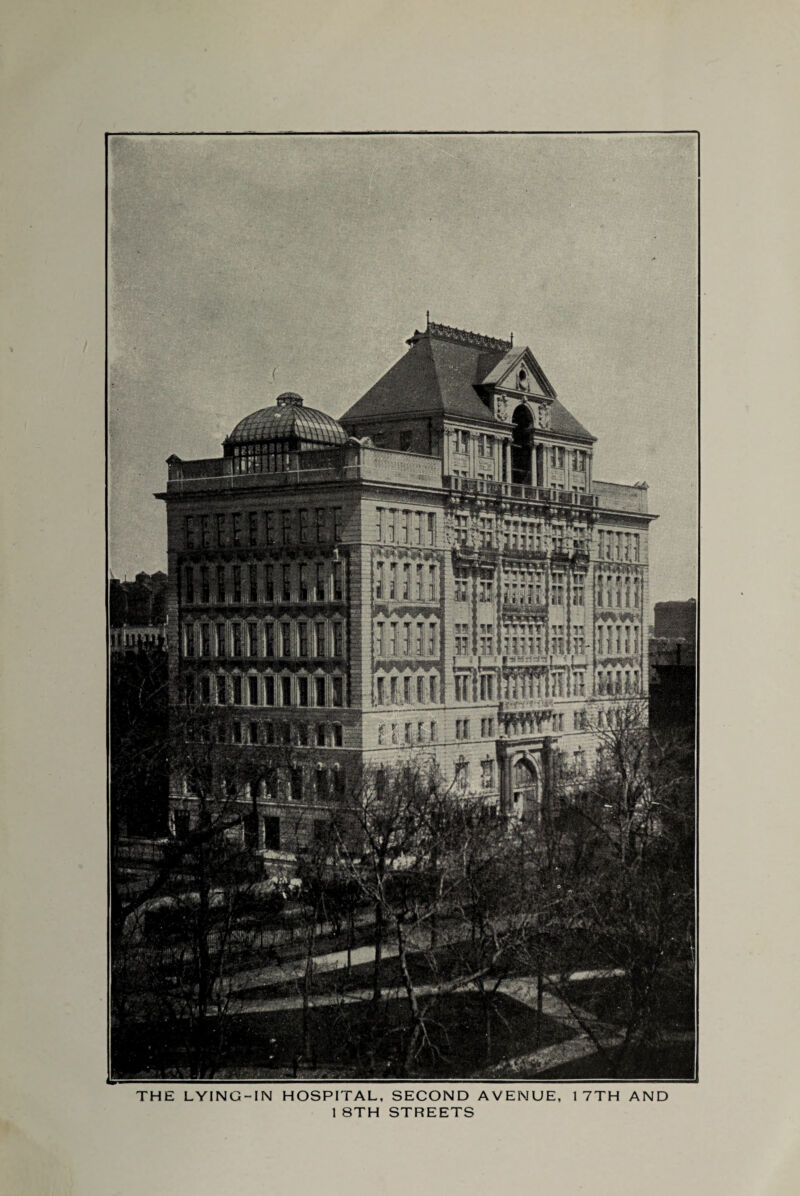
(241, 267)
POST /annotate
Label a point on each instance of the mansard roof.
(444, 373)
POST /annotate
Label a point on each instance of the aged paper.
(73, 75)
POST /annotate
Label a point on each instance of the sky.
(241, 267)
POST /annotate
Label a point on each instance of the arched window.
(521, 445)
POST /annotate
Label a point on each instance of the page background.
(73, 74)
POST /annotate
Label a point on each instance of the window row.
(268, 733)
(407, 690)
(484, 443)
(618, 682)
(462, 586)
(235, 529)
(474, 689)
(268, 639)
(406, 581)
(618, 546)
(394, 638)
(619, 590)
(559, 456)
(484, 639)
(558, 683)
(618, 639)
(396, 733)
(395, 526)
(223, 689)
(314, 581)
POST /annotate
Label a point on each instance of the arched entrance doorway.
(521, 445)
(525, 794)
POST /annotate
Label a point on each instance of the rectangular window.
(237, 583)
(434, 732)
(338, 639)
(303, 583)
(406, 592)
(431, 521)
(460, 581)
(557, 591)
(462, 639)
(269, 691)
(338, 582)
(407, 690)
(189, 538)
(286, 691)
(319, 524)
(319, 639)
(319, 691)
(269, 583)
(221, 645)
(205, 639)
(380, 690)
(269, 527)
(236, 629)
(379, 579)
(302, 691)
(286, 583)
(188, 584)
(286, 639)
(286, 527)
(338, 738)
(222, 595)
(405, 528)
(252, 639)
(420, 690)
(338, 691)
(252, 575)
(407, 734)
(269, 639)
(237, 529)
(432, 640)
(221, 690)
(303, 522)
(302, 639)
(252, 687)
(432, 584)
(433, 688)
(188, 639)
(252, 528)
(237, 691)
(337, 524)
(579, 590)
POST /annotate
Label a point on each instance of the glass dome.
(268, 440)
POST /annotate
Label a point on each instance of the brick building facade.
(437, 572)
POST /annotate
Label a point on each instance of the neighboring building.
(676, 620)
(137, 613)
(438, 572)
(673, 664)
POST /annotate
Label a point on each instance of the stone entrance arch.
(526, 788)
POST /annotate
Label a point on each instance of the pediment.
(520, 372)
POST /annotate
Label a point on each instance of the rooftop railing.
(543, 494)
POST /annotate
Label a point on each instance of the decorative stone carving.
(542, 415)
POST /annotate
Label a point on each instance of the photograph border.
(353, 133)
